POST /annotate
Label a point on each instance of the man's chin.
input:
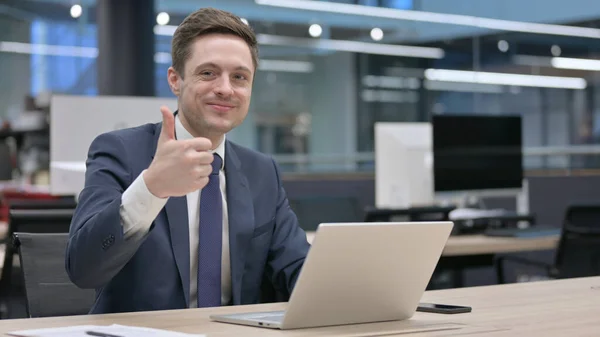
(221, 127)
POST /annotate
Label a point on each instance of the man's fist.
(179, 166)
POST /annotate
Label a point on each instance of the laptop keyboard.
(276, 316)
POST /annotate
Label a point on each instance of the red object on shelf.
(10, 193)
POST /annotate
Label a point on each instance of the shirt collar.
(181, 133)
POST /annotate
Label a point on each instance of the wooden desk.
(465, 245)
(549, 308)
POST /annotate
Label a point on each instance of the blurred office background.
(325, 79)
(315, 107)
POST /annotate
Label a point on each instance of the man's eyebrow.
(213, 65)
(243, 68)
(207, 64)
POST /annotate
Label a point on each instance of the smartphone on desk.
(442, 308)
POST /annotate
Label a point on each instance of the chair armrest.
(550, 270)
(16, 242)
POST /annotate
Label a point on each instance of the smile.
(220, 107)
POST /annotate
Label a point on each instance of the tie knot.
(216, 164)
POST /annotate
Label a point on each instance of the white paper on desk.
(115, 329)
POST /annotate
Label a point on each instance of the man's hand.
(179, 166)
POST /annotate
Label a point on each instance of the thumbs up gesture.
(179, 166)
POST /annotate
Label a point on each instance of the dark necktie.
(209, 248)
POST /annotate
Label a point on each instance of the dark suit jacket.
(152, 272)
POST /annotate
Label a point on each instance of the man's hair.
(209, 21)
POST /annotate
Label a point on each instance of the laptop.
(358, 273)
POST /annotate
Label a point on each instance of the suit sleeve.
(99, 247)
(289, 245)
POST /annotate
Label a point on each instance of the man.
(172, 214)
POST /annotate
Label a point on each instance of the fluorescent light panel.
(69, 51)
(453, 19)
(463, 87)
(351, 46)
(463, 76)
(338, 45)
(285, 66)
(159, 57)
(575, 63)
(45, 49)
(166, 30)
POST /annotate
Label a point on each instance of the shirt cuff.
(139, 208)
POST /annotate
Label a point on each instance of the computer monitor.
(477, 152)
(403, 165)
(76, 120)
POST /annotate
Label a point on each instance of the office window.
(398, 4)
(63, 57)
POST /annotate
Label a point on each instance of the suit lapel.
(177, 218)
(241, 218)
(177, 215)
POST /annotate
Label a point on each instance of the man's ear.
(173, 79)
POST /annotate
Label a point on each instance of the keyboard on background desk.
(529, 232)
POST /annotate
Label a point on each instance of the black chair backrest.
(578, 253)
(60, 203)
(6, 168)
(48, 289)
(30, 221)
(313, 211)
(40, 220)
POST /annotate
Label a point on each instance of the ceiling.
(294, 23)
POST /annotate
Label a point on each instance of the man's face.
(214, 91)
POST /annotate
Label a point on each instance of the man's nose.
(224, 87)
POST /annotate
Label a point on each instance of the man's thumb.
(168, 124)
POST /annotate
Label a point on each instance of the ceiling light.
(577, 64)
(555, 50)
(162, 18)
(453, 19)
(244, 20)
(503, 46)
(315, 30)
(522, 80)
(76, 11)
(351, 46)
(377, 34)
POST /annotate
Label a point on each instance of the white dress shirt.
(139, 208)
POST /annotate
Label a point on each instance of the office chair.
(578, 252)
(6, 166)
(31, 221)
(48, 289)
(313, 211)
(59, 203)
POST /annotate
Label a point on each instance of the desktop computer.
(76, 120)
(477, 156)
(403, 165)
